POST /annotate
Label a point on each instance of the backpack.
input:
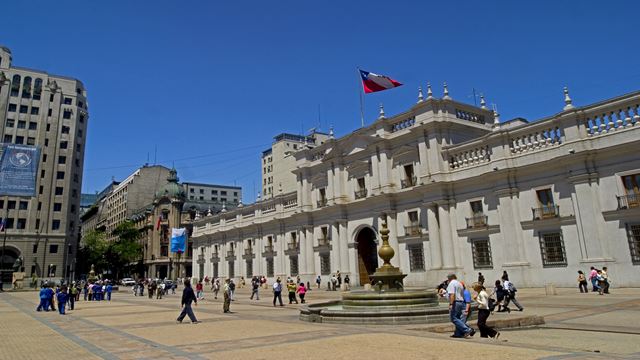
(512, 288)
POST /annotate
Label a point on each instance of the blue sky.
(210, 83)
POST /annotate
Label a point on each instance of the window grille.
(634, 242)
(325, 264)
(552, 250)
(481, 249)
(416, 257)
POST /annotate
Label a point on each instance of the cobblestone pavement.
(579, 326)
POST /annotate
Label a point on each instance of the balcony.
(628, 201)
(477, 221)
(231, 253)
(323, 241)
(413, 230)
(408, 182)
(360, 194)
(248, 252)
(293, 246)
(268, 249)
(321, 203)
(546, 212)
(201, 259)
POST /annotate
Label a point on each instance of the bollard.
(550, 289)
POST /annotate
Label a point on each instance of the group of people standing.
(66, 296)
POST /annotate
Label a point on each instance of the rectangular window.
(37, 227)
(50, 112)
(66, 114)
(293, 265)
(35, 110)
(31, 140)
(214, 192)
(23, 205)
(201, 191)
(41, 191)
(12, 107)
(481, 249)
(68, 101)
(55, 225)
(8, 138)
(59, 190)
(65, 129)
(10, 123)
(60, 175)
(223, 193)
(9, 224)
(57, 207)
(325, 264)
(19, 139)
(34, 249)
(270, 267)
(62, 159)
(633, 232)
(416, 257)
(53, 249)
(33, 125)
(51, 98)
(164, 251)
(24, 109)
(46, 141)
(11, 204)
(545, 197)
(476, 207)
(552, 250)
(249, 268)
(22, 124)
(21, 224)
(63, 144)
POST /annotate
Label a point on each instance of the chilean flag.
(373, 82)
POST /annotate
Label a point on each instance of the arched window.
(15, 85)
(37, 89)
(26, 87)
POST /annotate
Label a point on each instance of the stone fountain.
(387, 303)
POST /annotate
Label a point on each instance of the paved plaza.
(578, 326)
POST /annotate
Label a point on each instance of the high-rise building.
(278, 162)
(50, 112)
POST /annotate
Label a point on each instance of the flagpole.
(361, 98)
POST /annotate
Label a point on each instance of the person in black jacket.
(187, 297)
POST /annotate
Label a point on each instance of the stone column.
(337, 183)
(589, 220)
(435, 250)
(374, 178)
(383, 169)
(392, 225)
(335, 247)
(424, 161)
(330, 192)
(343, 249)
(446, 237)
(510, 229)
(308, 245)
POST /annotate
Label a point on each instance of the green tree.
(126, 249)
(93, 251)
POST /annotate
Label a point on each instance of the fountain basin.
(379, 308)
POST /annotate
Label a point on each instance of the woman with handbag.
(482, 298)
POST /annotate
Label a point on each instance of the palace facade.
(461, 192)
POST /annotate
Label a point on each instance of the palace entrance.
(367, 254)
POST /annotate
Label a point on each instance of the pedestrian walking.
(605, 276)
(109, 289)
(62, 300)
(481, 278)
(227, 296)
(199, 292)
(277, 292)
(457, 307)
(600, 280)
(302, 291)
(216, 288)
(160, 291)
(347, 283)
(291, 288)
(73, 292)
(44, 298)
(188, 296)
(318, 281)
(582, 282)
(255, 286)
(510, 294)
(232, 290)
(466, 294)
(484, 311)
(593, 277)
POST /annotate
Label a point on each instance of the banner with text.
(18, 169)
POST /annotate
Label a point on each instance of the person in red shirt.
(199, 292)
(302, 290)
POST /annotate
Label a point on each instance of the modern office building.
(50, 112)
(460, 192)
(278, 162)
(218, 194)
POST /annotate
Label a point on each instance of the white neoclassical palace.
(460, 191)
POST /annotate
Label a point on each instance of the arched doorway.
(10, 256)
(367, 254)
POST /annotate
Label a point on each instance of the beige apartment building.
(51, 112)
(278, 162)
(460, 191)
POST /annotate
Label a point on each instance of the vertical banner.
(178, 240)
(18, 169)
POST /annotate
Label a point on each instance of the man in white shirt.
(511, 291)
(457, 307)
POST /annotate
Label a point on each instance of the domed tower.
(167, 210)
